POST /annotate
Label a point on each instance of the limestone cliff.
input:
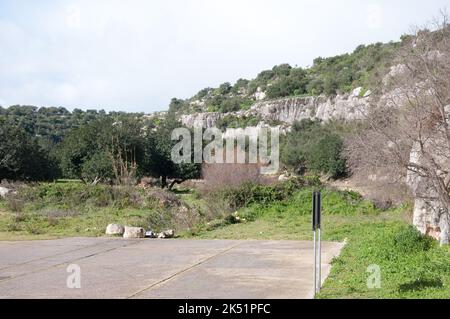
(346, 107)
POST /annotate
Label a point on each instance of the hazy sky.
(136, 55)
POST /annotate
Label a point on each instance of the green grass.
(43, 224)
(54, 210)
(411, 265)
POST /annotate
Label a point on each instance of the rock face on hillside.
(346, 107)
(430, 215)
(205, 120)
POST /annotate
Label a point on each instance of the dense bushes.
(231, 121)
(293, 83)
(251, 193)
(312, 146)
(410, 240)
(77, 195)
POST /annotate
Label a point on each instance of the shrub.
(232, 175)
(67, 196)
(312, 146)
(410, 240)
(14, 203)
(33, 228)
(13, 226)
(251, 193)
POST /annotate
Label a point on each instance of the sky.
(136, 55)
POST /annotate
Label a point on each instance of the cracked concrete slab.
(151, 268)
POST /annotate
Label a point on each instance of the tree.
(313, 146)
(125, 148)
(282, 69)
(158, 156)
(97, 167)
(239, 85)
(225, 88)
(407, 129)
(231, 104)
(22, 158)
(103, 150)
(79, 147)
(176, 105)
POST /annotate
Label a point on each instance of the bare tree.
(406, 134)
(123, 163)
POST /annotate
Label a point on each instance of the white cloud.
(137, 54)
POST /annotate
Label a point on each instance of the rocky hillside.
(285, 111)
(286, 86)
(332, 88)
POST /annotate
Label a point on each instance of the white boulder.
(134, 232)
(4, 191)
(115, 229)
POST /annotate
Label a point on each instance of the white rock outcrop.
(205, 120)
(347, 107)
(430, 215)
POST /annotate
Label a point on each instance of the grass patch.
(411, 265)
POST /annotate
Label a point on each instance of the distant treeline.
(52, 123)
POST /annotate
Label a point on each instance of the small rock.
(134, 232)
(115, 229)
(4, 191)
(166, 234)
(357, 92)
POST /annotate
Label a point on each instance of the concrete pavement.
(151, 268)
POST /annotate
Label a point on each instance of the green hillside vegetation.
(328, 76)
